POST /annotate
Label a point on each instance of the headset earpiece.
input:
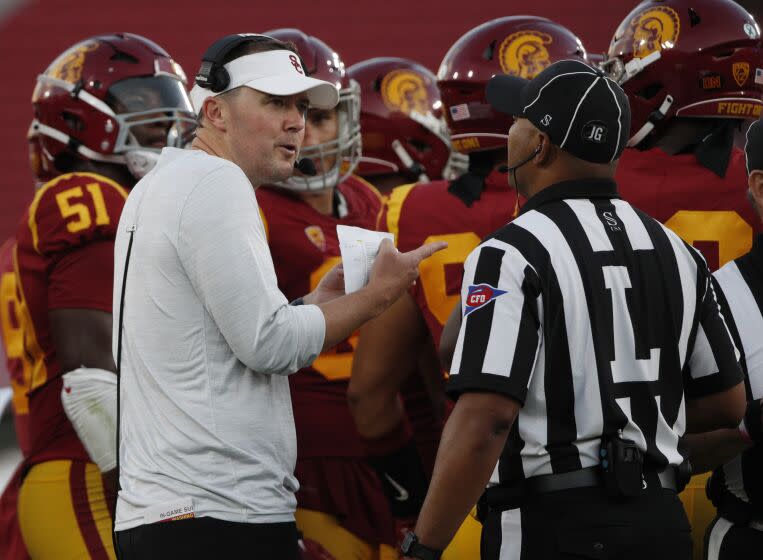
(212, 74)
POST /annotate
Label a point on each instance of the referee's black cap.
(753, 148)
(579, 107)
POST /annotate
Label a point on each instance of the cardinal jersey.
(334, 477)
(427, 212)
(304, 246)
(64, 259)
(12, 336)
(710, 212)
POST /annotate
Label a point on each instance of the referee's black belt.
(507, 497)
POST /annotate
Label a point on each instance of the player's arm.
(712, 449)
(82, 337)
(449, 336)
(715, 393)
(388, 352)
(386, 355)
(73, 222)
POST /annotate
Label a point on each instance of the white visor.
(275, 73)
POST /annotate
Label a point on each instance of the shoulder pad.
(395, 207)
(74, 209)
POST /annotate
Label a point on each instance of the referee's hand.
(393, 271)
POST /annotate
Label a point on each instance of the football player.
(692, 73)
(12, 340)
(340, 504)
(461, 212)
(405, 137)
(103, 109)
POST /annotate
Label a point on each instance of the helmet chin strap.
(655, 117)
(407, 161)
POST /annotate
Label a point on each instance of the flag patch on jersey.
(480, 295)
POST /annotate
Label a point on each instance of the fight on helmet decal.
(405, 91)
(653, 30)
(479, 295)
(524, 53)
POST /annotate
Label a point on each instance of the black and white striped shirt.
(741, 298)
(596, 318)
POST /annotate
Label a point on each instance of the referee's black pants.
(584, 523)
(208, 538)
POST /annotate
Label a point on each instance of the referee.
(736, 455)
(591, 339)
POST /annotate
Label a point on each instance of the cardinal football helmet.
(401, 120)
(518, 46)
(111, 98)
(323, 62)
(687, 58)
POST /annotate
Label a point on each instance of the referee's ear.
(547, 152)
(755, 182)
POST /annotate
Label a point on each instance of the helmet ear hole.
(420, 145)
(649, 91)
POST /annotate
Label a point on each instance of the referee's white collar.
(572, 188)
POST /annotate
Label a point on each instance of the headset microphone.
(513, 171)
(507, 169)
(306, 167)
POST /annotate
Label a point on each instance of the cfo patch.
(480, 295)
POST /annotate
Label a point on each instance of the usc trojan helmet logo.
(405, 91)
(653, 30)
(524, 53)
(68, 67)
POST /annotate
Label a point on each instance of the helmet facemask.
(142, 115)
(345, 149)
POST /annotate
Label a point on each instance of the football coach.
(591, 342)
(204, 337)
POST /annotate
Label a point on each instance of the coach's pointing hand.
(393, 271)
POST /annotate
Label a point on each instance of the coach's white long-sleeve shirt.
(208, 342)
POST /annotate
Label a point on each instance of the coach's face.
(265, 133)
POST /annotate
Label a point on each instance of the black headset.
(212, 74)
